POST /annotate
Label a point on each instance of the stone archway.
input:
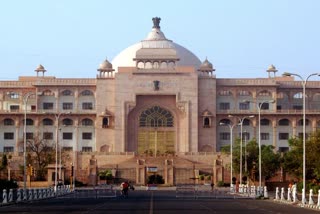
(156, 133)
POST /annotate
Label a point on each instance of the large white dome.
(155, 41)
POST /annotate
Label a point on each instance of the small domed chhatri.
(105, 69)
(206, 65)
(40, 68)
(272, 69)
(105, 65)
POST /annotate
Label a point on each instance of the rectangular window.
(47, 105)
(67, 106)
(300, 135)
(67, 135)
(8, 135)
(283, 149)
(67, 149)
(224, 136)
(87, 149)
(279, 107)
(14, 108)
(244, 106)
(86, 135)
(48, 135)
(87, 106)
(265, 136)
(245, 136)
(224, 106)
(29, 135)
(264, 106)
(283, 136)
(8, 149)
(297, 107)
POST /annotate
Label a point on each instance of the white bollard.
(318, 204)
(4, 197)
(44, 193)
(265, 192)
(10, 198)
(35, 194)
(24, 194)
(294, 194)
(19, 195)
(311, 202)
(30, 194)
(40, 193)
(289, 195)
(253, 191)
(241, 188)
(282, 194)
(277, 193)
(303, 200)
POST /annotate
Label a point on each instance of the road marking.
(151, 203)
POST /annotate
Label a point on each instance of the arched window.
(156, 117)
(47, 122)
(298, 95)
(284, 122)
(300, 122)
(87, 122)
(67, 122)
(86, 93)
(66, 93)
(48, 93)
(105, 122)
(8, 122)
(13, 95)
(140, 65)
(246, 122)
(225, 93)
(29, 122)
(225, 122)
(244, 93)
(264, 93)
(206, 122)
(264, 122)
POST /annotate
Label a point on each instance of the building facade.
(156, 99)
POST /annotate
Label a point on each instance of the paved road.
(150, 202)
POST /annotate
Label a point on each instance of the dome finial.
(156, 22)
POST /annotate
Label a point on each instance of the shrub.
(220, 184)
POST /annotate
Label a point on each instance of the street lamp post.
(57, 116)
(245, 152)
(259, 136)
(304, 83)
(241, 124)
(231, 147)
(25, 101)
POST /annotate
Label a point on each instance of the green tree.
(270, 161)
(105, 174)
(293, 159)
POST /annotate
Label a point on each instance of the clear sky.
(70, 38)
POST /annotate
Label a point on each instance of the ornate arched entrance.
(156, 133)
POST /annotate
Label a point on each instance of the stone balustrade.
(33, 194)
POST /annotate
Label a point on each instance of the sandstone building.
(155, 105)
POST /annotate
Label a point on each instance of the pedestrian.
(212, 185)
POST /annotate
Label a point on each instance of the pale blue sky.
(241, 37)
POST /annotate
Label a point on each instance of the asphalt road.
(150, 202)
